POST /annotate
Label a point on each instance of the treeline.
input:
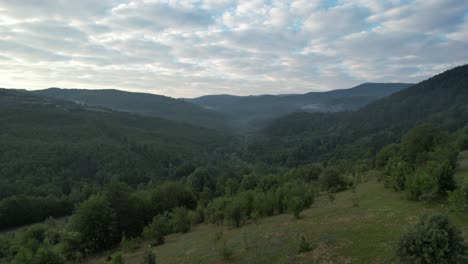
(424, 163)
(302, 138)
(120, 213)
(54, 154)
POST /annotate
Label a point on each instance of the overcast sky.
(189, 48)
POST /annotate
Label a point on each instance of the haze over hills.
(305, 137)
(254, 111)
(132, 176)
(140, 103)
(220, 111)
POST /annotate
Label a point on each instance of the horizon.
(187, 49)
(203, 95)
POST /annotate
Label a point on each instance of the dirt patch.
(324, 253)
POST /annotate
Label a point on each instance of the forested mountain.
(254, 111)
(140, 103)
(304, 137)
(59, 149)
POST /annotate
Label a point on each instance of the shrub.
(295, 206)
(304, 246)
(458, 200)
(432, 240)
(95, 220)
(180, 220)
(118, 259)
(234, 213)
(157, 229)
(149, 257)
(332, 180)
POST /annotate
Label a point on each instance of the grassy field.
(359, 227)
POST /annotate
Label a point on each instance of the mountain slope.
(251, 109)
(52, 147)
(304, 137)
(140, 103)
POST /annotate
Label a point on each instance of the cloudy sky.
(189, 48)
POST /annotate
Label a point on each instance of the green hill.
(140, 103)
(53, 148)
(304, 137)
(339, 232)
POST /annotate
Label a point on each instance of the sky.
(188, 48)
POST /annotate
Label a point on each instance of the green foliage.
(234, 212)
(149, 256)
(397, 172)
(118, 259)
(304, 246)
(295, 205)
(157, 229)
(180, 220)
(96, 222)
(62, 152)
(458, 200)
(385, 154)
(332, 180)
(432, 240)
(226, 251)
(418, 141)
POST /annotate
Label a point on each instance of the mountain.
(255, 110)
(140, 103)
(305, 137)
(52, 147)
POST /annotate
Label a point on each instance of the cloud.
(186, 48)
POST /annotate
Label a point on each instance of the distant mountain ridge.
(140, 103)
(441, 100)
(261, 108)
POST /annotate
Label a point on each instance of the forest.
(97, 179)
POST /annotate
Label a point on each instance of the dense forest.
(124, 177)
(142, 104)
(253, 112)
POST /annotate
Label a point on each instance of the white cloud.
(187, 48)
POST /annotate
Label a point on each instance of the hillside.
(51, 148)
(340, 232)
(140, 103)
(303, 137)
(254, 111)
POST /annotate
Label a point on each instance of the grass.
(340, 232)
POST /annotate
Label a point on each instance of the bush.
(304, 246)
(118, 259)
(295, 206)
(458, 200)
(157, 229)
(432, 240)
(95, 220)
(180, 220)
(234, 213)
(149, 257)
(332, 180)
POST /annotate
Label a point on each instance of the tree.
(95, 220)
(295, 205)
(157, 229)
(180, 220)
(234, 212)
(417, 141)
(331, 179)
(149, 257)
(432, 240)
